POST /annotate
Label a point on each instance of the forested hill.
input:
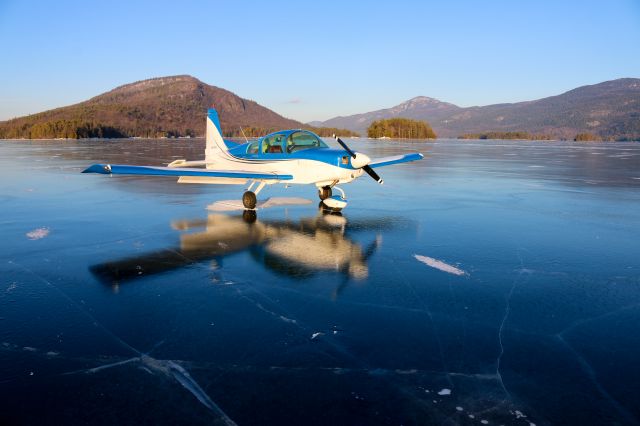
(166, 106)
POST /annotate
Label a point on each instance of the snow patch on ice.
(519, 414)
(289, 320)
(459, 408)
(438, 264)
(445, 391)
(38, 233)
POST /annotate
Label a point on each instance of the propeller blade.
(373, 174)
(344, 145)
(366, 168)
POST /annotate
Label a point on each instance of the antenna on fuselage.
(245, 136)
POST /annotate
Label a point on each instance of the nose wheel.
(333, 203)
(324, 192)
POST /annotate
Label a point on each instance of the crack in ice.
(586, 367)
(166, 366)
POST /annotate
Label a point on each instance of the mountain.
(610, 110)
(166, 106)
(417, 108)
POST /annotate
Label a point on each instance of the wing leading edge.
(396, 159)
(117, 169)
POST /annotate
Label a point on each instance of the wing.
(396, 159)
(119, 169)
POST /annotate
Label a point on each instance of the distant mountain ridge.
(164, 106)
(610, 110)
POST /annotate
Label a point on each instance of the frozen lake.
(494, 282)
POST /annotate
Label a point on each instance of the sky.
(316, 60)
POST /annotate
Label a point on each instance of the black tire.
(324, 192)
(249, 200)
(249, 216)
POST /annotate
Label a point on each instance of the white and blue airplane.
(284, 157)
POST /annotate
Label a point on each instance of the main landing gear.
(249, 198)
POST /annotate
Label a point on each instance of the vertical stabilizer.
(215, 147)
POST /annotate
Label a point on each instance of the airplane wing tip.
(104, 169)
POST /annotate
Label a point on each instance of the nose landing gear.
(324, 192)
(333, 203)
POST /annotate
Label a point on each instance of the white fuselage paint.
(303, 171)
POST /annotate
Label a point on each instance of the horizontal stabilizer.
(116, 169)
(396, 159)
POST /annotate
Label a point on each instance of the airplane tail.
(215, 148)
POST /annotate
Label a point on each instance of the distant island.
(401, 128)
(159, 107)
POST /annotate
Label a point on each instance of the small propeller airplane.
(284, 157)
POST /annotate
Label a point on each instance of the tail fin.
(215, 147)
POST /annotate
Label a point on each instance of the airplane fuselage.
(320, 166)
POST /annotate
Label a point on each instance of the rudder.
(215, 146)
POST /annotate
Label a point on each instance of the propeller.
(366, 167)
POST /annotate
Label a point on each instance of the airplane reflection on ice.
(298, 249)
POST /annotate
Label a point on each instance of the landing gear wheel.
(324, 192)
(249, 200)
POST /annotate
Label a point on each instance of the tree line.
(401, 128)
(506, 135)
(79, 129)
(68, 129)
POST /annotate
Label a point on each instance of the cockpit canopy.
(286, 142)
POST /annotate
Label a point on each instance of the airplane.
(294, 156)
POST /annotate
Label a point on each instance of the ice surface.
(549, 304)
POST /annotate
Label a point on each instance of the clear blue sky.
(316, 60)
